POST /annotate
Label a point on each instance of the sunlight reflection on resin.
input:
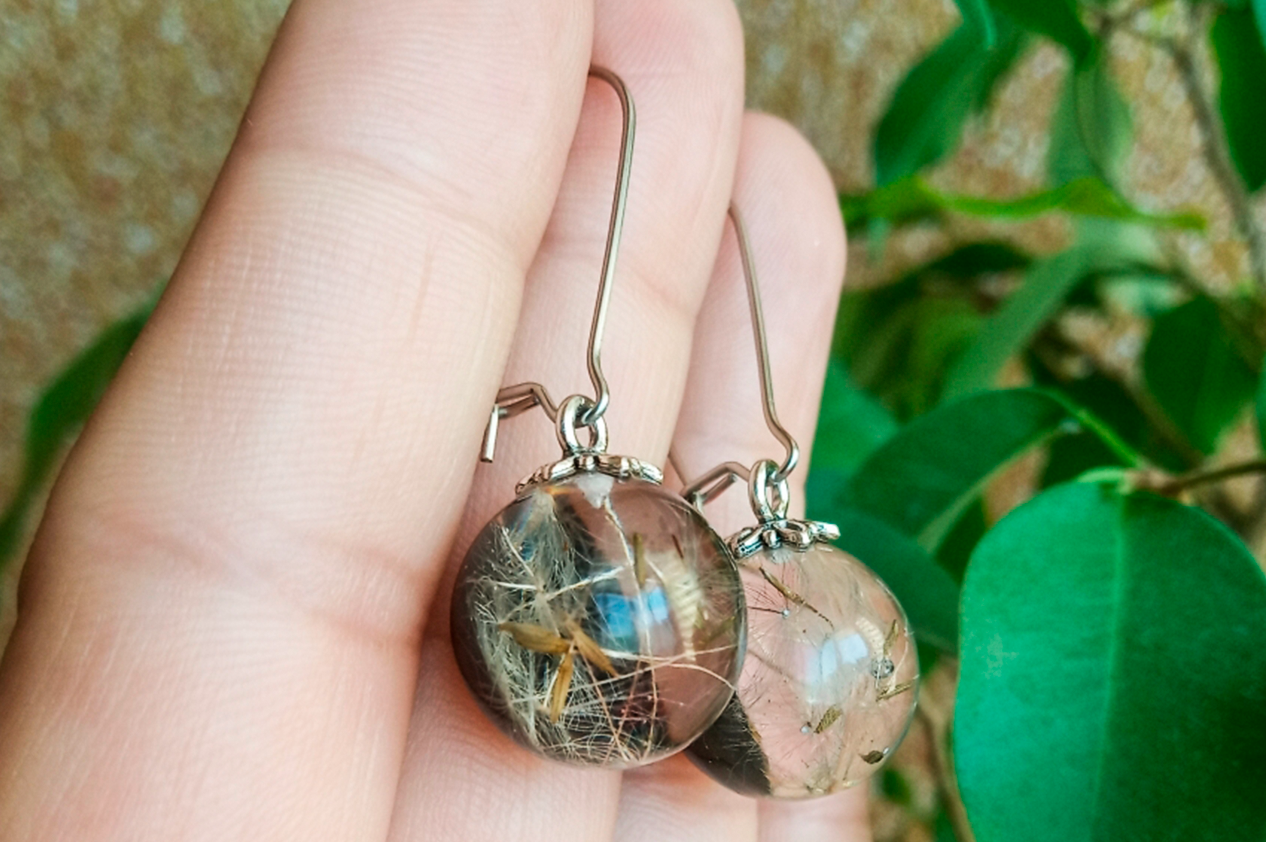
(829, 685)
(599, 621)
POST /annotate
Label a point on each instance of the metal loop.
(769, 495)
(570, 417)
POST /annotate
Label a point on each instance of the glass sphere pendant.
(829, 685)
(831, 674)
(598, 619)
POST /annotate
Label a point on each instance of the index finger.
(220, 620)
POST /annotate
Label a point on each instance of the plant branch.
(947, 781)
(1173, 486)
(1214, 145)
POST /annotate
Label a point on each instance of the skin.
(234, 616)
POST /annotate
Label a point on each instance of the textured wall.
(116, 116)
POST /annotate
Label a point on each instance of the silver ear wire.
(762, 351)
(614, 229)
(585, 412)
(770, 499)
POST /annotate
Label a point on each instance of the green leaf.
(1056, 19)
(927, 113)
(1238, 46)
(960, 539)
(921, 480)
(851, 424)
(944, 828)
(972, 260)
(1196, 373)
(979, 17)
(59, 412)
(1046, 285)
(1259, 17)
(1091, 131)
(1260, 407)
(1117, 409)
(896, 342)
(1009, 330)
(926, 592)
(897, 339)
(1113, 675)
(894, 787)
(912, 200)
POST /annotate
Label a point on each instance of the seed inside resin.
(829, 684)
(599, 621)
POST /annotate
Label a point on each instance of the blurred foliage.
(1112, 682)
(60, 411)
(1241, 54)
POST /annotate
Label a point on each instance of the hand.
(234, 618)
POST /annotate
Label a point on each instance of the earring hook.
(512, 400)
(762, 351)
(615, 228)
(767, 480)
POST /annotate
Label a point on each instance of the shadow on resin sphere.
(829, 684)
(599, 621)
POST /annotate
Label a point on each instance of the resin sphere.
(828, 687)
(599, 621)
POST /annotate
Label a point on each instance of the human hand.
(230, 626)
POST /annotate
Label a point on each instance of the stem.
(1190, 480)
(1108, 436)
(947, 781)
(1217, 154)
(1218, 157)
(1167, 430)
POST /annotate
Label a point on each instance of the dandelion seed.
(536, 638)
(589, 649)
(562, 684)
(639, 559)
(895, 690)
(828, 719)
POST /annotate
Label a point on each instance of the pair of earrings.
(599, 620)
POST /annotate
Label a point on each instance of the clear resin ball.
(828, 687)
(599, 621)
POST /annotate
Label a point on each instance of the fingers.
(843, 817)
(797, 241)
(674, 800)
(683, 65)
(219, 624)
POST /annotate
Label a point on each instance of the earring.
(827, 691)
(597, 619)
